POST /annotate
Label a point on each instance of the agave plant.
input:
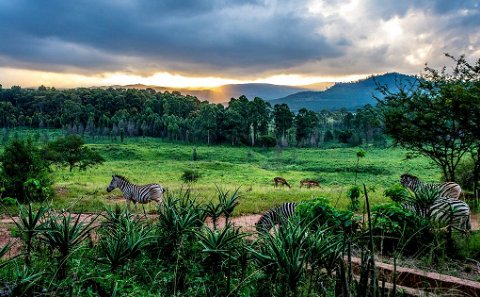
(220, 247)
(121, 245)
(213, 211)
(282, 255)
(24, 283)
(179, 216)
(228, 203)
(115, 218)
(65, 233)
(30, 224)
(3, 251)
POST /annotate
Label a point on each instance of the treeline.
(130, 112)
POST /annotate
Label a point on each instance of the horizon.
(195, 45)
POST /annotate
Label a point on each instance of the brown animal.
(280, 180)
(309, 183)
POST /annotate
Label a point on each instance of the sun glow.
(32, 78)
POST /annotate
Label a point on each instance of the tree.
(71, 151)
(438, 116)
(305, 122)
(283, 118)
(21, 166)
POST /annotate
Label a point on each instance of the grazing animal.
(280, 180)
(136, 194)
(447, 189)
(309, 183)
(275, 216)
(445, 212)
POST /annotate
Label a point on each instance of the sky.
(191, 43)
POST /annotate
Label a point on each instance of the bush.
(266, 141)
(464, 174)
(23, 169)
(318, 212)
(190, 176)
(8, 201)
(397, 193)
(397, 228)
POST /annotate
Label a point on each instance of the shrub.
(464, 174)
(21, 164)
(399, 229)
(397, 193)
(8, 201)
(190, 176)
(266, 141)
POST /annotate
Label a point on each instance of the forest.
(120, 113)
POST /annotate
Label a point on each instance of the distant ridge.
(223, 93)
(349, 95)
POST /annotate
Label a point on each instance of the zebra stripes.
(447, 189)
(451, 212)
(136, 194)
(275, 216)
(443, 212)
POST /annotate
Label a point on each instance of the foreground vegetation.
(177, 254)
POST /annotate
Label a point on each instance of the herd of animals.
(447, 209)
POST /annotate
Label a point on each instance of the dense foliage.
(439, 116)
(130, 112)
(24, 172)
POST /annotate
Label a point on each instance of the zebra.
(274, 216)
(447, 189)
(136, 194)
(444, 212)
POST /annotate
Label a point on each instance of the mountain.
(224, 93)
(349, 95)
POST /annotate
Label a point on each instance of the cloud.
(241, 39)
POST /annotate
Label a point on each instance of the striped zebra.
(136, 194)
(447, 189)
(444, 212)
(274, 216)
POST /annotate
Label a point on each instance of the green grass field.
(147, 160)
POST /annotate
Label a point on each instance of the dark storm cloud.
(220, 37)
(212, 34)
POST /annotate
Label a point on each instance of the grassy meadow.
(148, 160)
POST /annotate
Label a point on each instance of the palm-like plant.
(282, 256)
(4, 250)
(65, 234)
(177, 218)
(123, 244)
(213, 211)
(24, 283)
(30, 224)
(220, 247)
(228, 203)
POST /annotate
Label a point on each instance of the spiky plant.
(283, 258)
(221, 248)
(65, 234)
(30, 224)
(228, 202)
(214, 211)
(3, 251)
(123, 244)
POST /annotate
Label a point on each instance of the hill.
(224, 93)
(349, 95)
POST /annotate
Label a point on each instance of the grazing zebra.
(448, 189)
(275, 216)
(445, 212)
(136, 194)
